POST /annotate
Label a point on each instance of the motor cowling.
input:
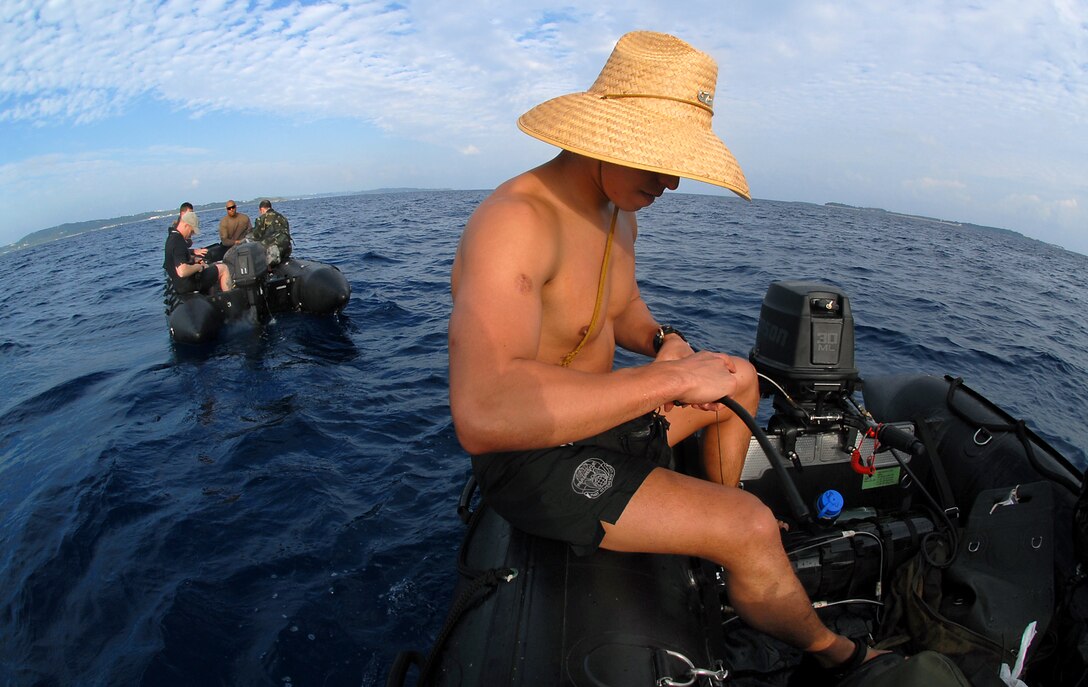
(805, 341)
(248, 263)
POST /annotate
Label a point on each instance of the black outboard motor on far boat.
(248, 263)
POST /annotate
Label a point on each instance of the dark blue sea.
(277, 508)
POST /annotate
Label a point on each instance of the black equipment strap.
(940, 477)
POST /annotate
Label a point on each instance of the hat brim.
(622, 132)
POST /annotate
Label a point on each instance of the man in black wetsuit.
(187, 273)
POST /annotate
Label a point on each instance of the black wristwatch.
(663, 331)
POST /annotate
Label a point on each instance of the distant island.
(75, 228)
(923, 218)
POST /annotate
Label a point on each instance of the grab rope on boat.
(481, 584)
(1017, 427)
(486, 581)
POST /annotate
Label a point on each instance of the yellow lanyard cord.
(569, 358)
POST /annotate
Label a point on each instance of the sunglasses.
(232, 207)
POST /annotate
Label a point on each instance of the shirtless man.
(544, 289)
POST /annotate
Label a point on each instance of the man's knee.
(747, 378)
(763, 523)
(754, 522)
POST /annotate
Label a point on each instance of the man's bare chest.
(585, 283)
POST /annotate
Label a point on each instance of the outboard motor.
(804, 353)
(248, 263)
(805, 343)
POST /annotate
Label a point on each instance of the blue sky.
(973, 111)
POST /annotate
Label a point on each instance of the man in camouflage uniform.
(271, 229)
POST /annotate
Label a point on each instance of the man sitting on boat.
(544, 291)
(234, 226)
(271, 229)
(187, 269)
(185, 207)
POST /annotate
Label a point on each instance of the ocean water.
(277, 508)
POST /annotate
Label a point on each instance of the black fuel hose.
(797, 504)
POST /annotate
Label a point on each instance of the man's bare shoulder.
(516, 223)
(519, 205)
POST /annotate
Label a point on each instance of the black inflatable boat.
(922, 517)
(292, 286)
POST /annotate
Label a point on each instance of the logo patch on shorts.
(592, 478)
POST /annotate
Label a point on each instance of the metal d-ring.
(717, 676)
(982, 442)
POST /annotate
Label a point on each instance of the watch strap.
(663, 331)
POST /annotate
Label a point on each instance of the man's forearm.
(635, 329)
(535, 405)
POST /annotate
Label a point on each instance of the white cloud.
(820, 97)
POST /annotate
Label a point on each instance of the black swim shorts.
(201, 281)
(565, 492)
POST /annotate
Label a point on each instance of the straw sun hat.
(650, 108)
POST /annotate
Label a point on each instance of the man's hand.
(709, 376)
